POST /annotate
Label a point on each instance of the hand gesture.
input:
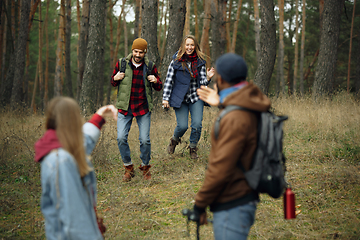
(108, 111)
(209, 95)
(152, 78)
(119, 76)
(165, 104)
(210, 73)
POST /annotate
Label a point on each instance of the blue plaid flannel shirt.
(191, 95)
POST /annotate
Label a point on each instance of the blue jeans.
(123, 128)
(234, 223)
(182, 118)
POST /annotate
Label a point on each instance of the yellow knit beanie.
(139, 43)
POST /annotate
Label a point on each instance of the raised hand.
(209, 95)
(152, 78)
(210, 73)
(108, 111)
(165, 104)
(119, 76)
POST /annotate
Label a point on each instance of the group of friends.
(68, 200)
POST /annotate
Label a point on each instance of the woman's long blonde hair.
(197, 48)
(63, 115)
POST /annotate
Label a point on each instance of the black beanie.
(231, 67)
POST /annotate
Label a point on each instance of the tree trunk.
(196, 20)
(149, 19)
(83, 42)
(296, 46)
(100, 88)
(57, 80)
(126, 38)
(118, 31)
(3, 56)
(17, 89)
(238, 11)
(204, 43)
(78, 18)
(246, 35)
(290, 52)
(280, 64)
(162, 51)
(2, 33)
(351, 36)
(137, 27)
(32, 104)
(33, 8)
(13, 32)
(301, 70)
(177, 11)
(325, 69)
(25, 97)
(227, 25)
(111, 41)
(357, 77)
(218, 29)
(160, 25)
(8, 83)
(187, 18)
(268, 46)
(68, 50)
(257, 31)
(41, 74)
(321, 10)
(46, 94)
(94, 55)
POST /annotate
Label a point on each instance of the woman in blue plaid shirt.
(186, 73)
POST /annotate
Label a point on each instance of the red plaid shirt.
(138, 102)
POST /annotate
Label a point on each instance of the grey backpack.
(267, 170)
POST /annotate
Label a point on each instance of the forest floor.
(321, 145)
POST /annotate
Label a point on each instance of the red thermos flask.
(289, 204)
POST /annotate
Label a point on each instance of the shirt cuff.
(97, 120)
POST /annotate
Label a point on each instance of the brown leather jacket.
(225, 186)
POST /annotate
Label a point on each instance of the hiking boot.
(172, 145)
(146, 171)
(193, 153)
(129, 173)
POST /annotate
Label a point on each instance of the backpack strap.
(149, 68)
(122, 65)
(225, 111)
(122, 70)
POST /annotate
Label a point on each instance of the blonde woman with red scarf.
(68, 182)
(186, 73)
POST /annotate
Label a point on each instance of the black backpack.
(123, 66)
(267, 170)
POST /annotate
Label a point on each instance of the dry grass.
(323, 155)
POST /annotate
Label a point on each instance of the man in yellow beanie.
(135, 76)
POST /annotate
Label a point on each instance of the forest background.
(68, 47)
(306, 61)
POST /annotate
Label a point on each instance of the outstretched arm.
(92, 128)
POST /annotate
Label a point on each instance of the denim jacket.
(67, 206)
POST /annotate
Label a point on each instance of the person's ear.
(220, 81)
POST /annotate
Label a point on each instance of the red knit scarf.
(193, 58)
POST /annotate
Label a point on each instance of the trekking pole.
(192, 216)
